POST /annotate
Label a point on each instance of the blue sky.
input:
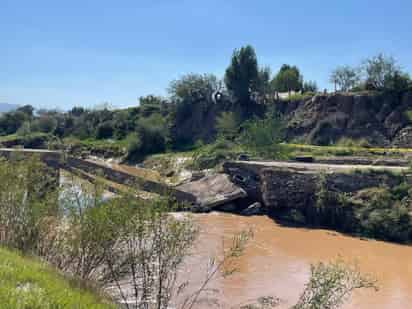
(66, 53)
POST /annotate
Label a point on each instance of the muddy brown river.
(277, 262)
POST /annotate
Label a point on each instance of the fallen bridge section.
(91, 169)
(127, 179)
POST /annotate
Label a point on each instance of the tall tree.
(383, 73)
(193, 87)
(242, 75)
(345, 77)
(288, 79)
(379, 70)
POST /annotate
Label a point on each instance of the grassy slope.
(15, 137)
(348, 150)
(26, 283)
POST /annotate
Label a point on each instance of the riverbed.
(277, 262)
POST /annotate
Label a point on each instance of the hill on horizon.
(7, 107)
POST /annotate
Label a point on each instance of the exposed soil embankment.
(377, 118)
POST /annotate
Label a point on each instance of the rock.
(307, 159)
(214, 190)
(243, 157)
(170, 173)
(197, 176)
(252, 210)
(231, 207)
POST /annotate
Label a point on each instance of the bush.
(105, 130)
(24, 203)
(263, 136)
(44, 124)
(144, 142)
(352, 143)
(385, 214)
(12, 121)
(214, 154)
(227, 125)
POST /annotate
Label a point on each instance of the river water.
(277, 262)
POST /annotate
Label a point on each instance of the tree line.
(246, 90)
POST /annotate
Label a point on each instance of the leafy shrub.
(263, 136)
(227, 125)
(104, 130)
(12, 121)
(408, 115)
(214, 154)
(352, 143)
(384, 215)
(24, 203)
(25, 129)
(44, 124)
(144, 142)
(331, 284)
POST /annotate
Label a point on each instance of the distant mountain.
(7, 107)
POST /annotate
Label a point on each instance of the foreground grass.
(26, 283)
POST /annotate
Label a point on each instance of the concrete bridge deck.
(97, 170)
(320, 167)
(207, 192)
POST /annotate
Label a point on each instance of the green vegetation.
(296, 97)
(242, 75)
(199, 109)
(377, 73)
(385, 213)
(27, 283)
(345, 77)
(358, 149)
(331, 284)
(210, 156)
(101, 242)
(408, 115)
(227, 125)
(288, 79)
(375, 212)
(263, 137)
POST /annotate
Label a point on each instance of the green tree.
(27, 109)
(12, 121)
(264, 76)
(345, 77)
(242, 75)
(227, 125)
(193, 87)
(383, 73)
(288, 79)
(310, 86)
(45, 123)
(263, 136)
(399, 82)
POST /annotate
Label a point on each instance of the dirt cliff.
(378, 118)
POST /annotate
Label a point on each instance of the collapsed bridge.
(272, 183)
